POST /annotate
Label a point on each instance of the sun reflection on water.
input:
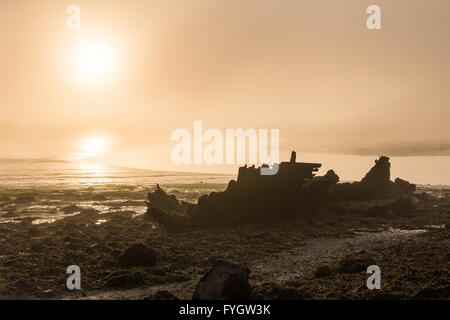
(94, 173)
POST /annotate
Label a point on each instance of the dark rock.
(138, 254)
(225, 280)
(354, 263)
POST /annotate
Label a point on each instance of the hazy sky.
(309, 68)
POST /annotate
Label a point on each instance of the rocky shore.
(292, 236)
(34, 258)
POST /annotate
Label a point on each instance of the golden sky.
(309, 68)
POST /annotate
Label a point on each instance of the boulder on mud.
(354, 263)
(138, 254)
(225, 280)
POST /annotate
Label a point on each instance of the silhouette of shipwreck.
(293, 190)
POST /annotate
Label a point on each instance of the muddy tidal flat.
(313, 256)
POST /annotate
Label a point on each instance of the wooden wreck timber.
(293, 190)
(251, 196)
(289, 178)
(290, 175)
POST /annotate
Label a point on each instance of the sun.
(94, 146)
(95, 61)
